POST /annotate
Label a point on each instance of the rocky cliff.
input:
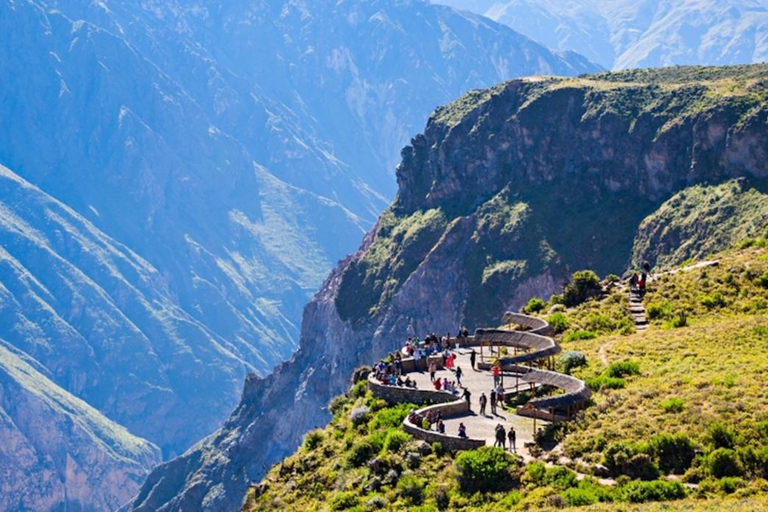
(506, 192)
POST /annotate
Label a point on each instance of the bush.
(600, 323)
(580, 335)
(722, 436)
(673, 405)
(442, 497)
(412, 487)
(573, 359)
(763, 280)
(361, 452)
(343, 501)
(731, 484)
(580, 497)
(657, 490)
(626, 326)
(313, 439)
(559, 322)
(337, 405)
(674, 452)
(534, 305)
(603, 382)
(659, 310)
(359, 389)
(584, 285)
(560, 478)
(535, 473)
(754, 461)
(391, 417)
(641, 467)
(616, 456)
(678, 320)
(723, 462)
(622, 369)
(359, 415)
(716, 300)
(486, 469)
(395, 440)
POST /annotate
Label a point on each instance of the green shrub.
(573, 359)
(730, 484)
(616, 456)
(560, 478)
(391, 417)
(657, 490)
(580, 497)
(359, 389)
(395, 440)
(659, 310)
(622, 369)
(584, 285)
(343, 501)
(678, 320)
(626, 326)
(716, 300)
(723, 462)
(359, 415)
(337, 405)
(602, 382)
(559, 322)
(411, 487)
(313, 439)
(535, 473)
(486, 469)
(753, 461)
(361, 452)
(534, 305)
(722, 436)
(673, 405)
(641, 467)
(674, 452)
(580, 335)
(763, 280)
(600, 323)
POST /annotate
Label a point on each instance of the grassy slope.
(714, 366)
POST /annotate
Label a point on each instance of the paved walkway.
(483, 427)
(637, 310)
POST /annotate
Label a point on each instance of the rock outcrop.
(507, 191)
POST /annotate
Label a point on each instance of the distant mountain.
(506, 193)
(184, 174)
(620, 34)
(57, 452)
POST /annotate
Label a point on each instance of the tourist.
(496, 371)
(459, 373)
(462, 431)
(432, 371)
(467, 396)
(438, 384)
(483, 403)
(398, 365)
(499, 395)
(472, 358)
(512, 438)
(501, 437)
(493, 401)
(400, 381)
(440, 426)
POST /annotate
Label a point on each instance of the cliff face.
(506, 192)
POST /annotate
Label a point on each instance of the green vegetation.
(686, 402)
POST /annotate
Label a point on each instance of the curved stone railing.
(535, 345)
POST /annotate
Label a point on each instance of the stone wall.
(432, 436)
(400, 394)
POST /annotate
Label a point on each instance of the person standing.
(501, 437)
(432, 371)
(483, 403)
(459, 373)
(473, 358)
(496, 373)
(467, 396)
(512, 435)
(493, 401)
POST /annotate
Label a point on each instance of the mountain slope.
(226, 155)
(78, 459)
(625, 34)
(506, 193)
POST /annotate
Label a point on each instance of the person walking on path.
(467, 396)
(483, 402)
(459, 373)
(473, 358)
(493, 401)
(432, 371)
(501, 437)
(512, 435)
(496, 373)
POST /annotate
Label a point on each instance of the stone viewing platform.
(520, 354)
